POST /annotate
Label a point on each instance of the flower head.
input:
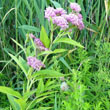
(75, 19)
(40, 45)
(50, 13)
(60, 11)
(80, 16)
(32, 36)
(61, 22)
(76, 7)
(35, 63)
(80, 25)
(72, 18)
(62, 78)
(64, 86)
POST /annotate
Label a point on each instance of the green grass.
(87, 70)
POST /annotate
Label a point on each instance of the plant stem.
(16, 18)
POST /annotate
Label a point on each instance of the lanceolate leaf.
(65, 63)
(19, 63)
(28, 94)
(30, 28)
(45, 108)
(47, 74)
(21, 103)
(10, 91)
(56, 4)
(52, 52)
(14, 105)
(40, 87)
(44, 37)
(59, 50)
(68, 41)
(24, 64)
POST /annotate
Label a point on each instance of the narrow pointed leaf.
(68, 41)
(10, 91)
(47, 74)
(44, 37)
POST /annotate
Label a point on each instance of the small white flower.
(64, 86)
(62, 78)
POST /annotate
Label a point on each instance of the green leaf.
(44, 108)
(29, 28)
(14, 105)
(27, 4)
(44, 37)
(49, 85)
(40, 13)
(56, 4)
(47, 74)
(7, 90)
(40, 87)
(18, 44)
(28, 94)
(19, 63)
(68, 41)
(21, 103)
(45, 52)
(65, 63)
(24, 64)
(33, 103)
(59, 50)
(52, 52)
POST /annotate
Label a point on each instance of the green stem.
(29, 85)
(16, 33)
(16, 18)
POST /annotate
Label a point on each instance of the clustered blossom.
(62, 19)
(72, 18)
(50, 12)
(60, 11)
(32, 36)
(35, 63)
(75, 7)
(38, 43)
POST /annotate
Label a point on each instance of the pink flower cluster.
(60, 17)
(38, 43)
(76, 7)
(35, 63)
(61, 22)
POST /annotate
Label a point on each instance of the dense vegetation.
(76, 74)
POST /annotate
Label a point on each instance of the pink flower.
(80, 25)
(80, 16)
(32, 36)
(38, 43)
(76, 7)
(80, 22)
(75, 20)
(61, 22)
(50, 13)
(60, 11)
(35, 63)
(72, 18)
